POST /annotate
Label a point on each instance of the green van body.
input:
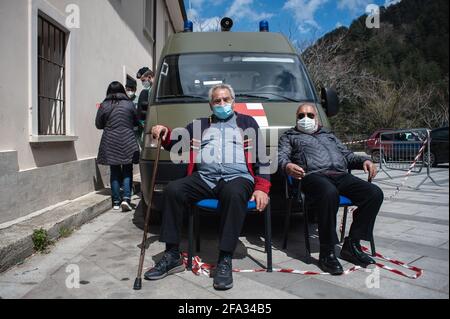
(173, 112)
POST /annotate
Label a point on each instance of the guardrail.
(405, 150)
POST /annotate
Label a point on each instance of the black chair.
(211, 205)
(293, 192)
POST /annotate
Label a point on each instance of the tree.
(395, 76)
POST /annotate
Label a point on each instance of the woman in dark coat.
(118, 148)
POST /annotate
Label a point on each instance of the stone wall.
(24, 192)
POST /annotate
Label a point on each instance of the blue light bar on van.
(188, 26)
(264, 26)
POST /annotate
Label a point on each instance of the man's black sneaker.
(223, 279)
(352, 252)
(167, 265)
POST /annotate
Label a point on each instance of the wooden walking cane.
(138, 280)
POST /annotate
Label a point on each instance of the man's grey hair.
(222, 86)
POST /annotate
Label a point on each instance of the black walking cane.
(138, 280)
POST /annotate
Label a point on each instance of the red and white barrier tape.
(408, 173)
(201, 268)
(411, 167)
(417, 270)
(312, 273)
(360, 141)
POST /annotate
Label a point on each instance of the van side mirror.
(330, 101)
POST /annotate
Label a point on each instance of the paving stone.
(413, 229)
(419, 248)
(321, 289)
(253, 290)
(434, 265)
(396, 289)
(429, 279)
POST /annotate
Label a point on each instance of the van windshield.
(270, 77)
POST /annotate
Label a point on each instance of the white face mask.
(131, 94)
(307, 125)
(146, 84)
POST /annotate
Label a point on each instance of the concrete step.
(16, 242)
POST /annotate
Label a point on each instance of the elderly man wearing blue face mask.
(313, 154)
(225, 169)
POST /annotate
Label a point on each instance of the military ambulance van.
(269, 79)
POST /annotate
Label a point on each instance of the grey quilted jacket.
(321, 151)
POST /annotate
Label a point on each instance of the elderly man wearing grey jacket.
(313, 154)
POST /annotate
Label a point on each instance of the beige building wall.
(109, 43)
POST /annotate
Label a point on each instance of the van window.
(187, 78)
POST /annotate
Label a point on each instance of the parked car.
(439, 146)
(373, 144)
(395, 146)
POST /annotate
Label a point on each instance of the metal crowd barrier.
(399, 150)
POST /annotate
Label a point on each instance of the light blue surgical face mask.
(147, 85)
(307, 125)
(223, 111)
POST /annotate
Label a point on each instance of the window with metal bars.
(51, 78)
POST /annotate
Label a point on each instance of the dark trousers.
(233, 196)
(322, 197)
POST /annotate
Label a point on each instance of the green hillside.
(392, 76)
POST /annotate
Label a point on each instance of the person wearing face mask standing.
(314, 155)
(146, 76)
(118, 148)
(131, 88)
(223, 169)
